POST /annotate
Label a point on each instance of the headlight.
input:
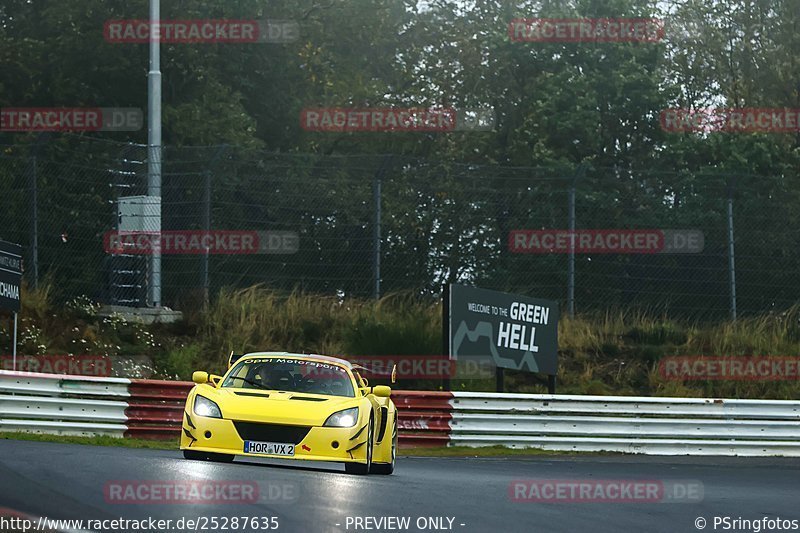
(205, 407)
(343, 419)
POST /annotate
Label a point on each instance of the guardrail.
(151, 409)
(658, 426)
(77, 405)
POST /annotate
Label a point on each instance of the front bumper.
(217, 435)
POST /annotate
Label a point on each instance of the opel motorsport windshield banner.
(516, 332)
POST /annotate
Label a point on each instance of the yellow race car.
(284, 405)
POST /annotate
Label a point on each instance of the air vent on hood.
(308, 399)
(257, 394)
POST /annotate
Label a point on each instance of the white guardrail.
(658, 426)
(76, 405)
(63, 405)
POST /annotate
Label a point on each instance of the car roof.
(306, 356)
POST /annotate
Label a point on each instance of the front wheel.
(221, 457)
(362, 468)
(193, 455)
(387, 468)
(208, 456)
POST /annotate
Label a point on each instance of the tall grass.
(256, 318)
(614, 352)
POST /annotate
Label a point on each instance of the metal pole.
(446, 334)
(731, 257)
(376, 231)
(571, 257)
(154, 143)
(34, 224)
(206, 228)
(14, 348)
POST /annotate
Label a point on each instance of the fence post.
(376, 235)
(579, 173)
(33, 186)
(206, 229)
(571, 256)
(34, 228)
(220, 152)
(731, 256)
(376, 225)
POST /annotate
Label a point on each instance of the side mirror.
(200, 377)
(381, 391)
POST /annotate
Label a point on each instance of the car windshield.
(291, 375)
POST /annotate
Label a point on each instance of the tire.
(361, 469)
(193, 455)
(221, 457)
(387, 469)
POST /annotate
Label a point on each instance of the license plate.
(268, 448)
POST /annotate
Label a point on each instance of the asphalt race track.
(74, 481)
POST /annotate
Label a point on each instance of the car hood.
(276, 407)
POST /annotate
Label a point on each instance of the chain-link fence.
(365, 225)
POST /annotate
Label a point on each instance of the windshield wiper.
(259, 385)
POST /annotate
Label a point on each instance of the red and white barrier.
(149, 409)
(153, 409)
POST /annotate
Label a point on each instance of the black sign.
(516, 331)
(10, 275)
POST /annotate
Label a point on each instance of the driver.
(275, 378)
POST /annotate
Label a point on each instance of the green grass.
(91, 441)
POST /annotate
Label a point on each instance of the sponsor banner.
(217, 242)
(73, 365)
(606, 241)
(606, 491)
(602, 30)
(519, 332)
(202, 31)
(732, 368)
(10, 276)
(71, 119)
(731, 120)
